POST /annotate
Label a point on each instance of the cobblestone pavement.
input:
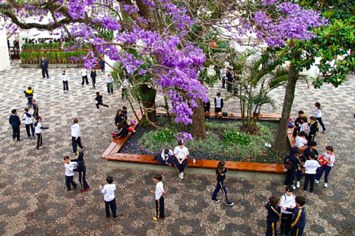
(32, 189)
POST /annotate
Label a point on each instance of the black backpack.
(288, 164)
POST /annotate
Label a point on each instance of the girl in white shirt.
(329, 157)
(318, 115)
(311, 167)
(181, 152)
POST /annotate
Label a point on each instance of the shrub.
(233, 136)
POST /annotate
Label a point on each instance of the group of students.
(122, 124)
(32, 128)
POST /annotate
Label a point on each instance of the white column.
(4, 51)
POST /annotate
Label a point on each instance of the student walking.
(298, 217)
(181, 152)
(218, 104)
(109, 82)
(27, 117)
(75, 136)
(312, 128)
(311, 166)
(81, 169)
(99, 101)
(273, 216)
(44, 67)
(220, 177)
(15, 123)
(318, 115)
(93, 76)
(69, 173)
(159, 198)
(288, 200)
(29, 95)
(109, 197)
(124, 88)
(35, 109)
(65, 80)
(102, 65)
(84, 76)
(38, 130)
(329, 159)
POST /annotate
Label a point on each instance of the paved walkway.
(32, 189)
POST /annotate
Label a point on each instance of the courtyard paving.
(34, 200)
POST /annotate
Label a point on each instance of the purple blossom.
(183, 136)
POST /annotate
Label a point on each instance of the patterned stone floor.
(32, 190)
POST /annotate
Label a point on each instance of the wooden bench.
(233, 116)
(208, 164)
(118, 143)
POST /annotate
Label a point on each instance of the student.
(311, 167)
(296, 130)
(223, 76)
(102, 65)
(181, 152)
(109, 82)
(288, 200)
(119, 117)
(329, 158)
(27, 117)
(221, 176)
(15, 123)
(166, 157)
(93, 76)
(304, 126)
(75, 136)
(35, 109)
(318, 115)
(300, 165)
(69, 173)
(273, 216)
(44, 67)
(207, 106)
(124, 113)
(301, 141)
(122, 130)
(218, 104)
(312, 147)
(84, 76)
(65, 80)
(29, 95)
(109, 197)
(159, 198)
(81, 168)
(291, 171)
(312, 128)
(298, 217)
(99, 101)
(132, 125)
(38, 130)
(230, 80)
(124, 88)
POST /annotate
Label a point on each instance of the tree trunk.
(198, 121)
(280, 145)
(147, 96)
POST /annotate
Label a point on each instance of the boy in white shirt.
(159, 198)
(69, 173)
(109, 82)
(288, 200)
(109, 197)
(65, 80)
(329, 158)
(301, 141)
(27, 117)
(84, 76)
(311, 167)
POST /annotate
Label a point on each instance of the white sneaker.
(325, 185)
(298, 184)
(182, 175)
(293, 186)
(316, 181)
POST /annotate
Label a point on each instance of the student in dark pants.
(75, 136)
(298, 217)
(287, 201)
(65, 80)
(181, 152)
(93, 76)
(38, 130)
(44, 67)
(313, 127)
(109, 197)
(84, 76)
(159, 198)
(69, 174)
(99, 101)
(29, 95)
(273, 216)
(81, 169)
(27, 117)
(102, 65)
(291, 171)
(35, 109)
(221, 175)
(15, 123)
(311, 167)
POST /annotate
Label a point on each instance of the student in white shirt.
(27, 117)
(84, 76)
(181, 152)
(69, 173)
(329, 157)
(109, 197)
(159, 198)
(75, 136)
(65, 80)
(288, 200)
(124, 88)
(301, 141)
(38, 130)
(318, 115)
(109, 82)
(311, 167)
(218, 104)
(166, 157)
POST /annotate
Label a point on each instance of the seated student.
(166, 157)
(301, 141)
(297, 123)
(132, 124)
(181, 153)
(122, 130)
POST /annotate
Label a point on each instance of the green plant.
(233, 136)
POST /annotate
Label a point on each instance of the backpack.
(288, 164)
